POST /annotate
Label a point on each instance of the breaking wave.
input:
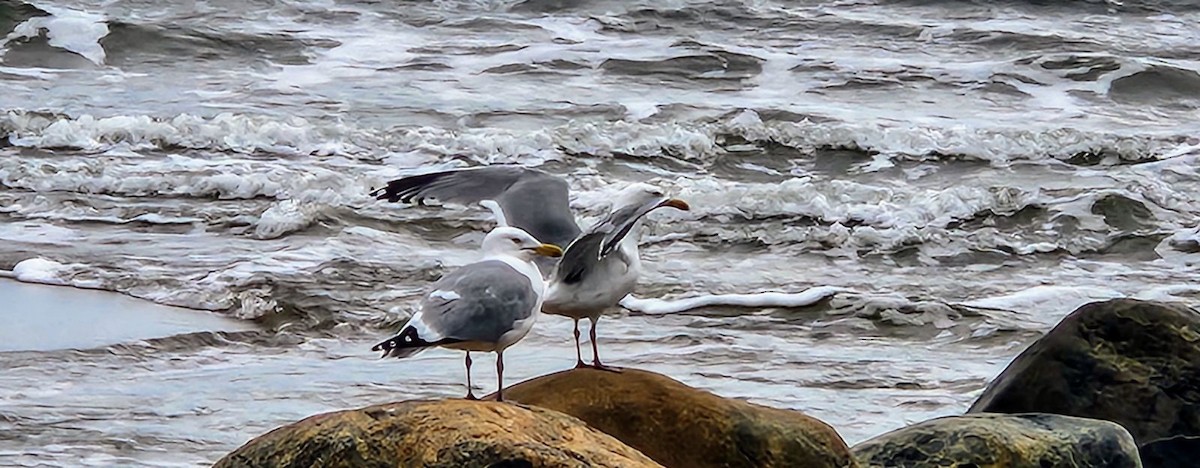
(701, 141)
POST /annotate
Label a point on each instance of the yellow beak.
(549, 250)
(676, 203)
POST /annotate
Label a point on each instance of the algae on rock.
(437, 434)
(680, 426)
(1133, 362)
(1002, 441)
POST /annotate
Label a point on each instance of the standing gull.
(600, 265)
(485, 306)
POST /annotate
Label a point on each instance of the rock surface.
(449, 433)
(679, 426)
(1133, 362)
(1002, 441)
(1175, 452)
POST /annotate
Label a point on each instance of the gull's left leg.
(500, 375)
(578, 354)
(596, 364)
(470, 396)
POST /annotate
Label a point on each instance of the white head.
(517, 243)
(647, 197)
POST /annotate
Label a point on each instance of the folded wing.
(476, 303)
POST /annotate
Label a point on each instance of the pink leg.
(596, 364)
(578, 354)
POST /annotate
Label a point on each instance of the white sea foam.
(37, 73)
(1045, 304)
(41, 270)
(756, 300)
(1185, 293)
(224, 178)
(223, 132)
(247, 134)
(74, 30)
(284, 217)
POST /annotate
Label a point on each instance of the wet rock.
(14, 12)
(1123, 213)
(1133, 362)
(683, 427)
(1174, 452)
(449, 433)
(709, 65)
(1002, 441)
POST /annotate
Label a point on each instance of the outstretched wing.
(527, 198)
(463, 186)
(585, 254)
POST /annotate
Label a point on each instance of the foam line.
(40, 270)
(763, 299)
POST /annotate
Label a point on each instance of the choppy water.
(967, 172)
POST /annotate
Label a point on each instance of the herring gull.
(600, 265)
(485, 306)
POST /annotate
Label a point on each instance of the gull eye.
(516, 241)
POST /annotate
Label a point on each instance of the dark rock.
(449, 433)
(1133, 362)
(1002, 441)
(14, 12)
(679, 426)
(1174, 452)
(710, 65)
(1123, 213)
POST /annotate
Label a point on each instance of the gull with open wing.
(600, 265)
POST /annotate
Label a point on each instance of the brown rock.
(431, 434)
(1002, 441)
(683, 427)
(1133, 362)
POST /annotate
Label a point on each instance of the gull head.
(647, 197)
(517, 243)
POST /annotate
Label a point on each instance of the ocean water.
(923, 187)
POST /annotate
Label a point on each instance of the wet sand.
(44, 318)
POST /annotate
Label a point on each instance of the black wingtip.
(391, 192)
(404, 344)
(405, 189)
(385, 346)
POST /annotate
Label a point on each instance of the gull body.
(486, 306)
(602, 266)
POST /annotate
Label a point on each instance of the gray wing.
(598, 244)
(531, 199)
(478, 302)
